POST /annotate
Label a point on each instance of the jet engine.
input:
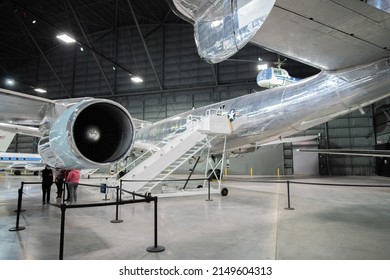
(93, 133)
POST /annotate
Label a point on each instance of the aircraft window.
(17, 158)
(1, 158)
(277, 72)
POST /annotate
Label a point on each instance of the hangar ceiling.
(29, 30)
(29, 27)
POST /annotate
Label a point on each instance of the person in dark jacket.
(59, 180)
(47, 181)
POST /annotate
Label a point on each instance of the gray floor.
(328, 222)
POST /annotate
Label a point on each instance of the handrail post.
(288, 196)
(155, 248)
(20, 193)
(117, 206)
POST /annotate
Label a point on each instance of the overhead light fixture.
(113, 68)
(34, 21)
(40, 90)
(10, 82)
(136, 79)
(262, 66)
(66, 38)
(81, 49)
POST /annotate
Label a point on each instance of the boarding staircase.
(148, 170)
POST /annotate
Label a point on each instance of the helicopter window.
(277, 72)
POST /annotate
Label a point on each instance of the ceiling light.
(66, 38)
(82, 49)
(10, 82)
(137, 79)
(34, 21)
(40, 90)
(113, 68)
(262, 66)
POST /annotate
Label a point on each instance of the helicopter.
(274, 76)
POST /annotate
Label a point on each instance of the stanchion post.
(155, 248)
(62, 231)
(17, 208)
(117, 206)
(20, 193)
(120, 187)
(288, 196)
(208, 186)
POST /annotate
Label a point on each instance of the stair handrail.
(190, 120)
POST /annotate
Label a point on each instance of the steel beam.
(89, 44)
(144, 44)
(43, 54)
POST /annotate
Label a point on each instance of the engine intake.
(91, 134)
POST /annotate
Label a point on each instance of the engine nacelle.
(94, 133)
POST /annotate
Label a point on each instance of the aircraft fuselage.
(267, 115)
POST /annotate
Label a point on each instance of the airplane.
(16, 162)
(92, 133)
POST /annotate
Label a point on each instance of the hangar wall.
(177, 80)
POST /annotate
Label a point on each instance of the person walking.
(47, 181)
(73, 179)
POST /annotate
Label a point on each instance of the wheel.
(36, 173)
(17, 172)
(210, 175)
(199, 186)
(224, 192)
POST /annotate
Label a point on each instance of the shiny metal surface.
(266, 116)
(13, 107)
(223, 27)
(91, 134)
(329, 35)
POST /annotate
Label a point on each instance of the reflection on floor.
(328, 222)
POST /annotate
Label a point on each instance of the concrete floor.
(328, 222)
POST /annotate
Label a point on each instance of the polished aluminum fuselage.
(268, 115)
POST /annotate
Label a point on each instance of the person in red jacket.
(73, 179)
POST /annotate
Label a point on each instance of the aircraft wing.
(22, 108)
(365, 153)
(292, 139)
(329, 35)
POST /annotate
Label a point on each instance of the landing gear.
(224, 191)
(17, 172)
